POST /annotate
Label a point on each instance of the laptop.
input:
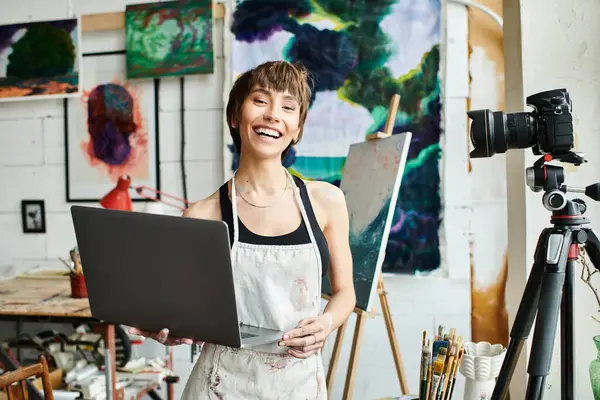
(154, 271)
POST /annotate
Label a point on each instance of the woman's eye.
(260, 101)
(289, 108)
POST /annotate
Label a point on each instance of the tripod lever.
(592, 191)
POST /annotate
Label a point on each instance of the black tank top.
(299, 236)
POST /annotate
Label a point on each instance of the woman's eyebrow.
(269, 93)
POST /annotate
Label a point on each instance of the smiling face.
(268, 122)
(267, 108)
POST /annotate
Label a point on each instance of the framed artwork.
(111, 131)
(33, 215)
(40, 60)
(171, 38)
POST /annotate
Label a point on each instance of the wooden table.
(48, 299)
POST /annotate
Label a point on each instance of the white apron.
(276, 286)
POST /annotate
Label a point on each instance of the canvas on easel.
(370, 182)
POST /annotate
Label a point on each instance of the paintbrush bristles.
(440, 360)
(438, 367)
(442, 352)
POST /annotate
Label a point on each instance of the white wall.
(559, 48)
(32, 166)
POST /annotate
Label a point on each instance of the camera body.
(548, 129)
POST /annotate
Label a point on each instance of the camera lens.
(496, 132)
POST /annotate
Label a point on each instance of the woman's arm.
(343, 297)
(329, 204)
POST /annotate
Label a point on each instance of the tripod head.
(550, 178)
(566, 213)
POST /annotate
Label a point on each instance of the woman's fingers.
(162, 337)
(306, 349)
(136, 331)
(175, 341)
(301, 354)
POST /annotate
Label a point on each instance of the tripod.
(549, 287)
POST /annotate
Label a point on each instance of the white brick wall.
(32, 166)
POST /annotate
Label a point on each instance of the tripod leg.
(547, 317)
(592, 247)
(524, 318)
(566, 328)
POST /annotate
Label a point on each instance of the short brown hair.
(280, 76)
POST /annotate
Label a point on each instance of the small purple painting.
(111, 132)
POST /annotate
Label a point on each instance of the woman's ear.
(296, 136)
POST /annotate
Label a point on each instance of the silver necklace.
(268, 205)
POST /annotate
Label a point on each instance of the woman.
(285, 234)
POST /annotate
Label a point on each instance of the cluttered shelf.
(77, 359)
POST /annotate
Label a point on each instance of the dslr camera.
(548, 129)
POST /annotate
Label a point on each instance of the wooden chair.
(20, 375)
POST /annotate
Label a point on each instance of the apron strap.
(302, 208)
(236, 229)
(308, 227)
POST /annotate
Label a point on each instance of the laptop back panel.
(156, 271)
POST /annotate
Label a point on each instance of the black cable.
(183, 175)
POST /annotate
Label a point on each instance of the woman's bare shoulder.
(325, 193)
(207, 208)
(330, 203)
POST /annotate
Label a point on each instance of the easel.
(361, 315)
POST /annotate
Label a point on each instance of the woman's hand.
(309, 336)
(163, 337)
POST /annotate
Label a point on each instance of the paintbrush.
(425, 360)
(457, 360)
(446, 375)
(71, 270)
(422, 359)
(429, 373)
(75, 258)
(451, 337)
(439, 342)
(438, 368)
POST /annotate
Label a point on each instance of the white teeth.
(268, 132)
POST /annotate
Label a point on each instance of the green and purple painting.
(39, 60)
(360, 54)
(172, 38)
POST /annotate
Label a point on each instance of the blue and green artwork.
(359, 53)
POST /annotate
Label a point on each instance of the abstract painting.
(40, 60)
(170, 38)
(112, 130)
(370, 183)
(360, 54)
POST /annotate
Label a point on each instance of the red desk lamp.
(119, 198)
